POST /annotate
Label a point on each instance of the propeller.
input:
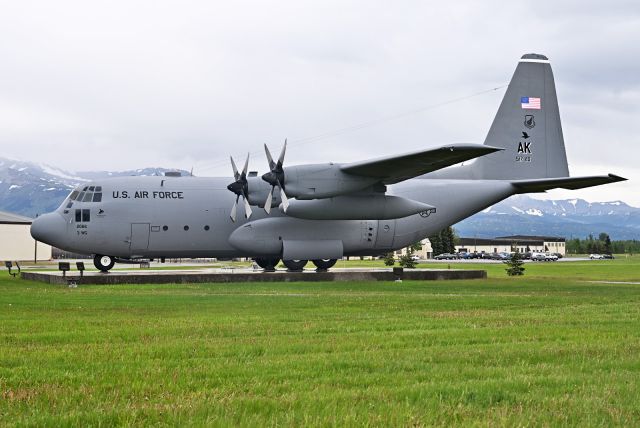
(275, 177)
(241, 188)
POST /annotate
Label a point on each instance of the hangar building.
(16, 243)
(507, 244)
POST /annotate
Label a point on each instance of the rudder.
(527, 126)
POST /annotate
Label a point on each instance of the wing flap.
(393, 169)
(570, 183)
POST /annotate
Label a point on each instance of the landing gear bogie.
(324, 264)
(295, 265)
(269, 265)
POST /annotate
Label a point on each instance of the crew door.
(386, 232)
(139, 238)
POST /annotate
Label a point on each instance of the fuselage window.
(86, 215)
(73, 196)
(98, 188)
(165, 228)
(80, 197)
(70, 204)
(78, 216)
(91, 188)
(87, 197)
(97, 197)
(84, 189)
(206, 227)
(186, 228)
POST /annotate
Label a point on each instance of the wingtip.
(616, 178)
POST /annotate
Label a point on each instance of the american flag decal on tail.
(530, 103)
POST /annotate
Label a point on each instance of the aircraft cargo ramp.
(221, 275)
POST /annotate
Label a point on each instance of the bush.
(406, 260)
(389, 260)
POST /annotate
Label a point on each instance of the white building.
(16, 243)
(507, 244)
(424, 253)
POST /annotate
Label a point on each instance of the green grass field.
(546, 349)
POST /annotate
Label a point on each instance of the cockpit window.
(87, 194)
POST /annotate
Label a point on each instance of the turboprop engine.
(356, 207)
(317, 181)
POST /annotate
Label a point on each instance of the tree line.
(601, 245)
(444, 241)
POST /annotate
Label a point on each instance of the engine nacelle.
(322, 181)
(366, 207)
(258, 191)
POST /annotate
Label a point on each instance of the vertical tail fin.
(528, 126)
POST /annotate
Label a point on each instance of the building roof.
(479, 241)
(532, 238)
(10, 218)
(515, 239)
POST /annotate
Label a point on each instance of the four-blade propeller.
(275, 177)
(241, 188)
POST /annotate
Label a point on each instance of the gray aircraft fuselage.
(142, 217)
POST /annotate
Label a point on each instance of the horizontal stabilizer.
(393, 169)
(571, 183)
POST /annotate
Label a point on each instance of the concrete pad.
(247, 275)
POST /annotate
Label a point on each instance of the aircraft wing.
(393, 169)
(571, 183)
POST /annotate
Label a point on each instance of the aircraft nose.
(49, 228)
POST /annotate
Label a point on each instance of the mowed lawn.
(547, 349)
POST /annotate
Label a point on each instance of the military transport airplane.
(324, 211)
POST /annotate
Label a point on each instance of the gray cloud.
(119, 84)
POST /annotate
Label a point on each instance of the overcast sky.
(128, 84)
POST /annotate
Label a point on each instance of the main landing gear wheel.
(295, 265)
(268, 265)
(324, 264)
(103, 263)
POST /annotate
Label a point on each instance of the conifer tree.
(515, 264)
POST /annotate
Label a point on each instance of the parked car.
(550, 257)
(608, 256)
(468, 256)
(537, 257)
(446, 256)
(596, 256)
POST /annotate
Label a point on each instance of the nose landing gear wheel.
(324, 264)
(269, 265)
(295, 265)
(103, 263)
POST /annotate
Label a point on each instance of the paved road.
(562, 260)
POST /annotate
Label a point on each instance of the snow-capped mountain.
(29, 189)
(521, 214)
